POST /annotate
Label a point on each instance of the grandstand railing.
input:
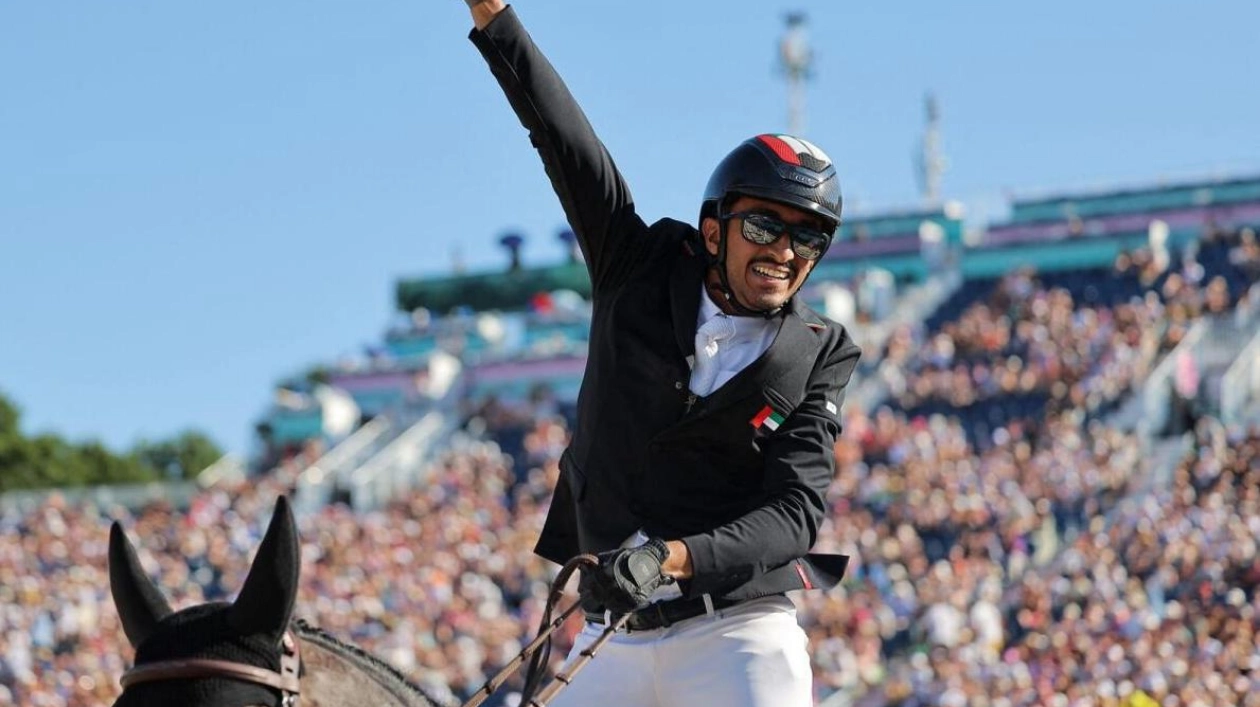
(316, 483)
(1218, 345)
(228, 468)
(916, 305)
(1157, 391)
(1240, 385)
(399, 465)
(1220, 350)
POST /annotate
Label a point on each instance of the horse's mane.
(386, 674)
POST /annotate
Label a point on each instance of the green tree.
(48, 460)
(17, 468)
(183, 457)
(10, 415)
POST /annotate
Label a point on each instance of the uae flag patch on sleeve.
(767, 419)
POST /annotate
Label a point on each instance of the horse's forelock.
(205, 632)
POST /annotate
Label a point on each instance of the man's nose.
(782, 246)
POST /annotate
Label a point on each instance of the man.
(708, 410)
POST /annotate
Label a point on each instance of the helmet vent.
(812, 163)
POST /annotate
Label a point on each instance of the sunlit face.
(762, 277)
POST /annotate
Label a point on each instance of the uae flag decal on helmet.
(796, 151)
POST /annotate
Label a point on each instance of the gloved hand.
(626, 577)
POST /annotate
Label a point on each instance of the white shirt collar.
(708, 308)
(744, 327)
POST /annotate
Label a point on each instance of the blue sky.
(197, 199)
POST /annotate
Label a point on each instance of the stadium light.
(512, 242)
(796, 59)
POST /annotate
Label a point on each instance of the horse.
(246, 653)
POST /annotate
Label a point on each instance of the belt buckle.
(648, 618)
(633, 621)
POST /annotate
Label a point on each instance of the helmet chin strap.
(719, 262)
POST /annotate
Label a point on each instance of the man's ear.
(711, 231)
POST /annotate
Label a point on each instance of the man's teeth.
(773, 272)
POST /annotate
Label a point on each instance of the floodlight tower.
(931, 161)
(796, 60)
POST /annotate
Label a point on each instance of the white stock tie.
(709, 338)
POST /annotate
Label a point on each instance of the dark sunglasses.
(808, 243)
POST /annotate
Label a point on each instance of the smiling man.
(708, 412)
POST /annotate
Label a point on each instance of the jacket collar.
(684, 294)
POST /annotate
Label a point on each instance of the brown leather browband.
(286, 680)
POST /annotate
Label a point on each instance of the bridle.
(286, 680)
(538, 660)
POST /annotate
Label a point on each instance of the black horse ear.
(265, 603)
(140, 603)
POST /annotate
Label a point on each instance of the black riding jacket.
(747, 499)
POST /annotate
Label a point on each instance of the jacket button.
(677, 385)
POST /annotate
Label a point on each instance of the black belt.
(663, 614)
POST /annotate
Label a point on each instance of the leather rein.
(285, 680)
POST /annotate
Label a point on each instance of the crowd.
(1157, 607)
(1027, 570)
(940, 533)
(952, 599)
(1024, 339)
(443, 583)
(1028, 337)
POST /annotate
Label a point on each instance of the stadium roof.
(501, 290)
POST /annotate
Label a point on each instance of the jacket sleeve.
(799, 467)
(594, 195)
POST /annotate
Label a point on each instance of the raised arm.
(594, 195)
(484, 10)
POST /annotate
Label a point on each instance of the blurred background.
(306, 248)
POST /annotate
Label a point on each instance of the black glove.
(626, 577)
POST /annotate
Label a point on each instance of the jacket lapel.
(795, 341)
(684, 295)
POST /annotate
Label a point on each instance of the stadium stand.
(1022, 533)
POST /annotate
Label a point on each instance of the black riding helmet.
(778, 168)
